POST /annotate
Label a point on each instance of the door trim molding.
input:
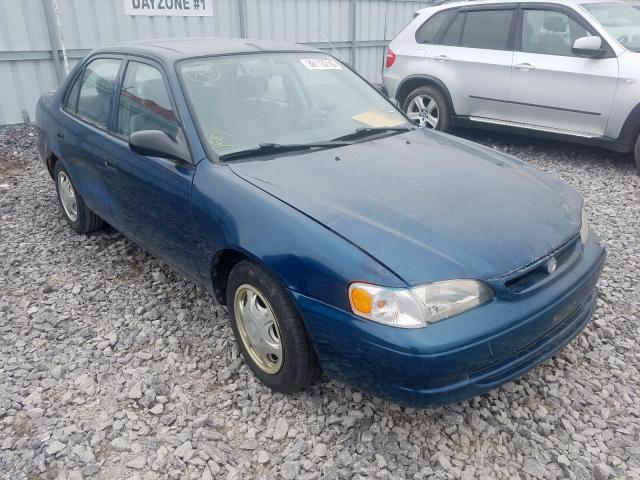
(513, 102)
(538, 128)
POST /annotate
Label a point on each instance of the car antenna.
(335, 52)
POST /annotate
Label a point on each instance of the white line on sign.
(169, 8)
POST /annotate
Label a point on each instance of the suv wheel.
(636, 153)
(427, 107)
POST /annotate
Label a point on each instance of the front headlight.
(584, 227)
(419, 306)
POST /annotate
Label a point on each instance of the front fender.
(308, 258)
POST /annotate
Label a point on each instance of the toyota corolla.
(341, 237)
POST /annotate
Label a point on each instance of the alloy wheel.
(423, 110)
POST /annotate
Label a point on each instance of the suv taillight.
(391, 57)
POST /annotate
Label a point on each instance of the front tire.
(269, 329)
(427, 107)
(636, 153)
(78, 215)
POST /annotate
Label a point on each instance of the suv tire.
(428, 107)
(636, 153)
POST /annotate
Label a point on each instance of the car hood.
(426, 205)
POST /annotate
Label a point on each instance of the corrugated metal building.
(32, 30)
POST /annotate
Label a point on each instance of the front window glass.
(620, 20)
(549, 32)
(98, 82)
(144, 102)
(242, 101)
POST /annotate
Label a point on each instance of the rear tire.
(78, 215)
(282, 358)
(636, 153)
(428, 107)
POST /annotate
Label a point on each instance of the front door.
(150, 196)
(550, 86)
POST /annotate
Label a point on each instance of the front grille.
(536, 273)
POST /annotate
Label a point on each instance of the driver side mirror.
(155, 143)
(590, 47)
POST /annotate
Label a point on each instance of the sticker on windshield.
(377, 119)
(320, 64)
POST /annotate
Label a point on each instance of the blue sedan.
(343, 239)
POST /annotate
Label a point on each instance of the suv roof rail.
(440, 2)
(435, 3)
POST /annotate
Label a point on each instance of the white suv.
(569, 69)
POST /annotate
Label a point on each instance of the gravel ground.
(114, 367)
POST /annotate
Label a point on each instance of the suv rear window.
(454, 32)
(487, 29)
(429, 30)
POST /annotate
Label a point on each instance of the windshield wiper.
(267, 148)
(368, 131)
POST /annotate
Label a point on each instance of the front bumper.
(462, 356)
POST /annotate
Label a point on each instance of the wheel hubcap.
(67, 196)
(423, 110)
(258, 328)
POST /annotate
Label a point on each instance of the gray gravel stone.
(281, 429)
(108, 357)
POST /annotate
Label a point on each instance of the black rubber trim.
(513, 102)
(630, 129)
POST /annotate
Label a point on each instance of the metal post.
(54, 38)
(242, 13)
(352, 54)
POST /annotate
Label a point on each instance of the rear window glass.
(429, 30)
(98, 82)
(454, 32)
(487, 29)
(71, 103)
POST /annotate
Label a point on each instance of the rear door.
(83, 134)
(473, 59)
(550, 86)
(428, 34)
(150, 196)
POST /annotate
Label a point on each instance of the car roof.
(447, 4)
(172, 49)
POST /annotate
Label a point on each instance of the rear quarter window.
(71, 101)
(429, 31)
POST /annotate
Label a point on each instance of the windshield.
(620, 20)
(243, 101)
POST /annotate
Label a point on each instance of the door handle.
(525, 66)
(60, 135)
(109, 165)
(441, 58)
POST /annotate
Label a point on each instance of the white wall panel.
(26, 64)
